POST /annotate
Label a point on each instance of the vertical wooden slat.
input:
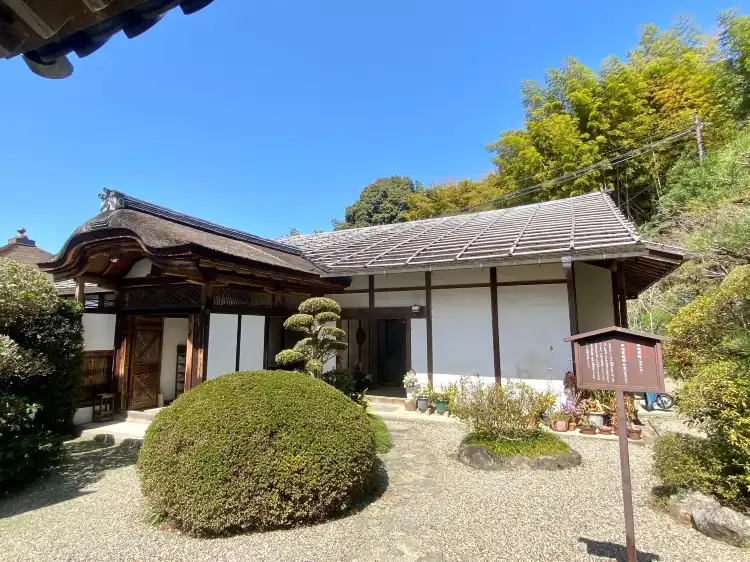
(495, 325)
(238, 349)
(80, 293)
(623, 296)
(428, 316)
(266, 340)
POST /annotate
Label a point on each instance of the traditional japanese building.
(494, 292)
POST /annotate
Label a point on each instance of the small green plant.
(511, 411)
(543, 444)
(411, 380)
(322, 342)
(559, 416)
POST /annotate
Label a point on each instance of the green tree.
(322, 342)
(384, 201)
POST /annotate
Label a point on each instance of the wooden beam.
(80, 293)
(495, 325)
(428, 316)
(371, 291)
(623, 298)
(382, 313)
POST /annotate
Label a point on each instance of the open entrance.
(382, 346)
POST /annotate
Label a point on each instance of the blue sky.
(272, 114)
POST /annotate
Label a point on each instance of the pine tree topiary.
(322, 342)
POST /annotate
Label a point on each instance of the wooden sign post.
(624, 361)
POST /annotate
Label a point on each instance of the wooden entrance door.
(145, 363)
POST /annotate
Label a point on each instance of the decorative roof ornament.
(21, 239)
(111, 200)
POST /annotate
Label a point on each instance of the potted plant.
(595, 413)
(441, 402)
(410, 383)
(423, 399)
(586, 428)
(574, 411)
(634, 432)
(605, 430)
(559, 421)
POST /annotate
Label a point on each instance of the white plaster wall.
(408, 279)
(419, 348)
(533, 318)
(460, 276)
(400, 298)
(251, 342)
(359, 283)
(461, 334)
(99, 332)
(222, 345)
(593, 297)
(357, 300)
(141, 268)
(541, 272)
(83, 415)
(175, 333)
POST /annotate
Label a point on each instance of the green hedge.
(25, 449)
(256, 450)
(687, 462)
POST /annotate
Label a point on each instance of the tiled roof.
(578, 226)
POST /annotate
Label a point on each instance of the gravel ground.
(434, 509)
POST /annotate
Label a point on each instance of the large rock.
(681, 505)
(709, 517)
(478, 456)
(723, 524)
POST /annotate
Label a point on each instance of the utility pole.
(699, 136)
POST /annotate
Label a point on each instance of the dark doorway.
(392, 351)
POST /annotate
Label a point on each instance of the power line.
(610, 162)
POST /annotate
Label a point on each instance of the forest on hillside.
(582, 117)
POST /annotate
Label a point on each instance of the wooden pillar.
(121, 364)
(428, 317)
(495, 325)
(238, 348)
(196, 353)
(569, 270)
(80, 294)
(615, 296)
(570, 280)
(623, 297)
(371, 291)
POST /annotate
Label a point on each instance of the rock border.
(709, 517)
(479, 457)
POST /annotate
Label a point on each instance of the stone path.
(432, 509)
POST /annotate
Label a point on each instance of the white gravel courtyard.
(434, 509)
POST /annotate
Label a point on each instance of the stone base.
(478, 456)
(709, 517)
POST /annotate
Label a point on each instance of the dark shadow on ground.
(615, 551)
(84, 463)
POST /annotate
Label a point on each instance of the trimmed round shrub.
(256, 450)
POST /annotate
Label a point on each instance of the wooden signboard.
(624, 361)
(618, 359)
